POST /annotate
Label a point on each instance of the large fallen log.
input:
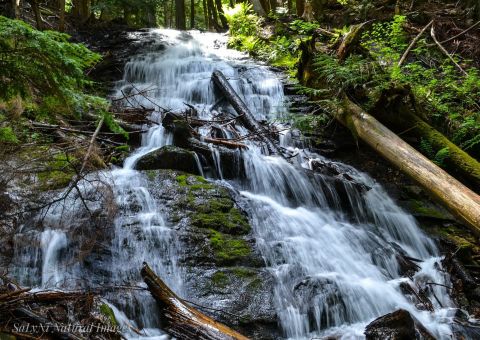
(456, 197)
(181, 320)
(393, 111)
(244, 113)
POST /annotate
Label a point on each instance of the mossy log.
(400, 117)
(456, 197)
(181, 320)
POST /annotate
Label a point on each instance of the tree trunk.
(15, 9)
(192, 14)
(151, 16)
(246, 116)
(300, 7)
(460, 200)
(181, 320)
(223, 20)
(38, 15)
(213, 17)
(61, 15)
(180, 21)
(392, 110)
(259, 7)
(205, 14)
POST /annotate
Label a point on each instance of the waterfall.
(334, 271)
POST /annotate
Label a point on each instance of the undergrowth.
(43, 78)
(448, 98)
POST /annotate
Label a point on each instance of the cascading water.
(335, 271)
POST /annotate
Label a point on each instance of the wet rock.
(169, 157)
(399, 325)
(224, 271)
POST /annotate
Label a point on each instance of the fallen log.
(244, 113)
(181, 320)
(392, 111)
(456, 197)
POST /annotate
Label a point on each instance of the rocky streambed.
(207, 240)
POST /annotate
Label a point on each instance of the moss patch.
(220, 279)
(108, 312)
(228, 249)
(419, 208)
(209, 206)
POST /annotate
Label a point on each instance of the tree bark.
(205, 14)
(181, 320)
(223, 20)
(180, 22)
(192, 14)
(61, 15)
(15, 9)
(213, 16)
(300, 7)
(246, 116)
(38, 15)
(456, 197)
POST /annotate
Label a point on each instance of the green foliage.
(7, 135)
(386, 41)
(303, 27)
(353, 72)
(441, 156)
(310, 124)
(113, 125)
(242, 20)
(438, 157)
(281, 50)
(43, 67)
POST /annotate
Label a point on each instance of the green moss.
(59, 172)
(182, 180)
(244, 273)
(151, 174)
(214, 218)
(228, 248)
(419, 208)
(7, 135)
(220, 279)
(108, 312)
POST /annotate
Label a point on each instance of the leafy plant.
(43, 67)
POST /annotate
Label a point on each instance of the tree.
(180, 21)
(192, 14)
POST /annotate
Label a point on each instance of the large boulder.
(399, 325)
(223, 268)
(169, 157)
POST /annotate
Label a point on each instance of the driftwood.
(456, 197)
(244, 113)
(181, 320)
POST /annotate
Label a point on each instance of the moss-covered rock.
(223, 268)
(169, 157)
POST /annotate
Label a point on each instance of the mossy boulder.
(223, 268)
(169, 157)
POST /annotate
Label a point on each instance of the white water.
(335, 271)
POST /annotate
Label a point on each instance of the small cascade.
(332, 245)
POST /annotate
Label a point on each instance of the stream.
(335, 269)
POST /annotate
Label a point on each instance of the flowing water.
(335, 266)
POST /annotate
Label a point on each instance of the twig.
(432, 33)
(412, 44)
(90, 146)
(458, 35)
